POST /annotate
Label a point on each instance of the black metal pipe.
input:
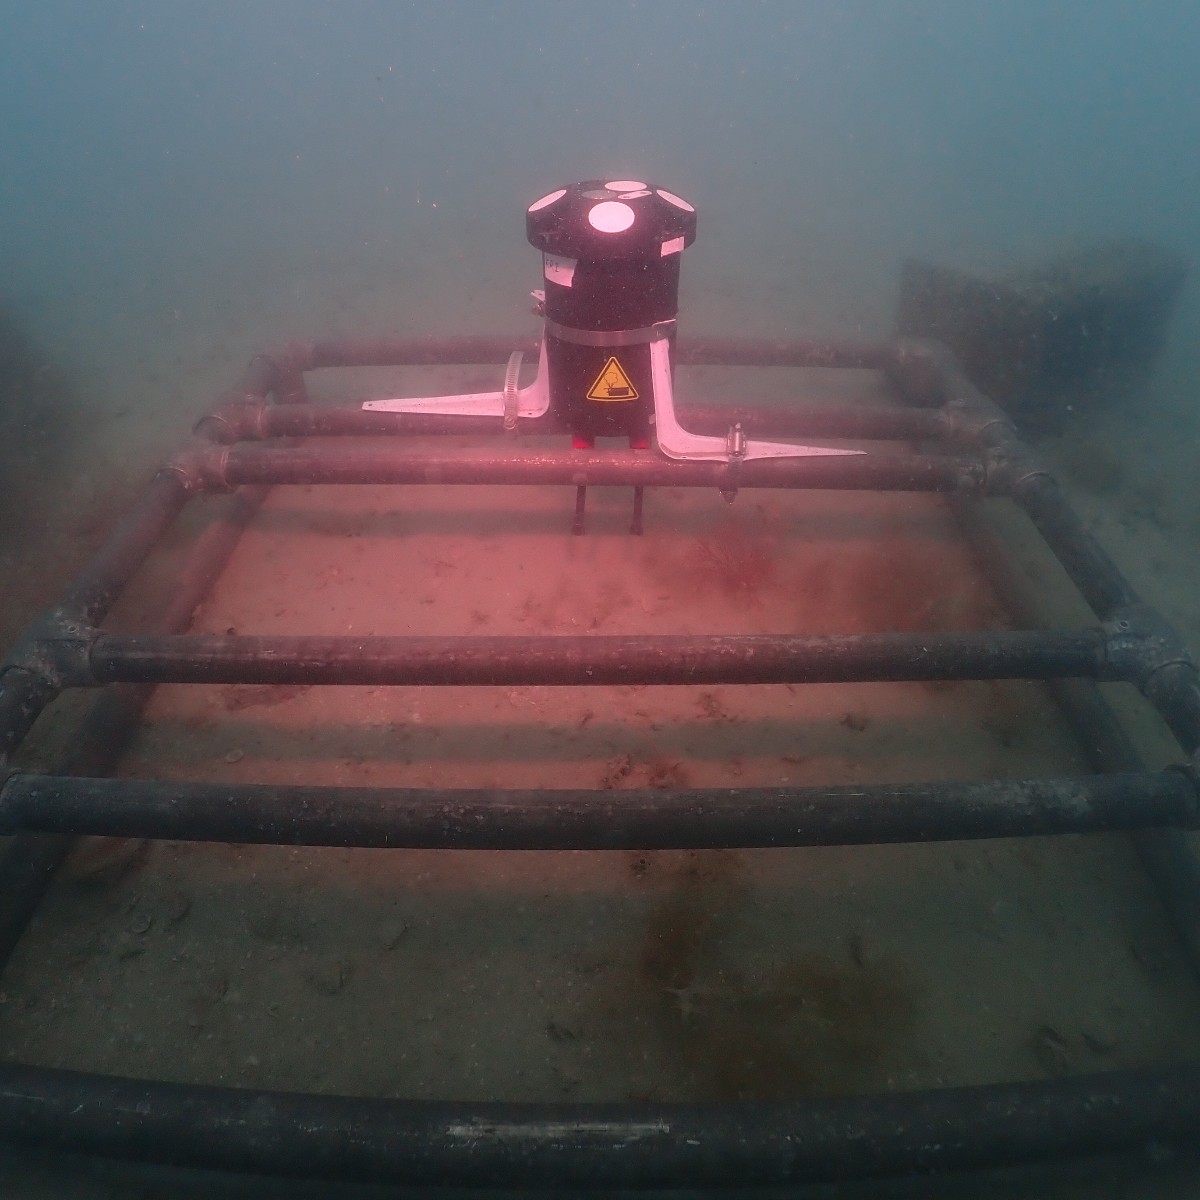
(93, 591)
(544, 819)
(596, 660)
(23, 696)
(579, 1146)
(1036, 491)
(1167, 854)
(1174, 690)
(706, 351)
(291, 388)
(264, 371)
(27, 868)
(1087, 564)
(869, 423)
(261, 376)
(416, 351)
(875, 423)
(303, 420)
(394, 464)
(30, 860)
(694, 351)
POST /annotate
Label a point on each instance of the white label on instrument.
(559, 270)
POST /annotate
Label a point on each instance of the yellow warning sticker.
(612, 383)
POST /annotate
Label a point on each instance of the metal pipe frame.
(31, 859)
(220, 468)
(546, 819)
(583, 660)
(244, 422)
(586, 1147)
(590, 1146)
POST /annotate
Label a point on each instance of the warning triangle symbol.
(612, 383)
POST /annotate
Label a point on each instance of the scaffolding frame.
(968, 449)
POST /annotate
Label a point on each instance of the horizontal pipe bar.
(875, 423)
(413, 351)
(696, 351)
(580, 1146)
(596, 659)
(868, 422)
(705, 351)
(318, 420)
(394, 464)
(490, 819)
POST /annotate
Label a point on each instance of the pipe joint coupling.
(201, 467)
(1009, 467)
(57, 650)
(1140, 643)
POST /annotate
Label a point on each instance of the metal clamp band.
(511, 396)
(607, 337)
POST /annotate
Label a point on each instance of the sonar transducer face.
(610, 253)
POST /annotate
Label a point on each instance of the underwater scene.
(597, 598)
